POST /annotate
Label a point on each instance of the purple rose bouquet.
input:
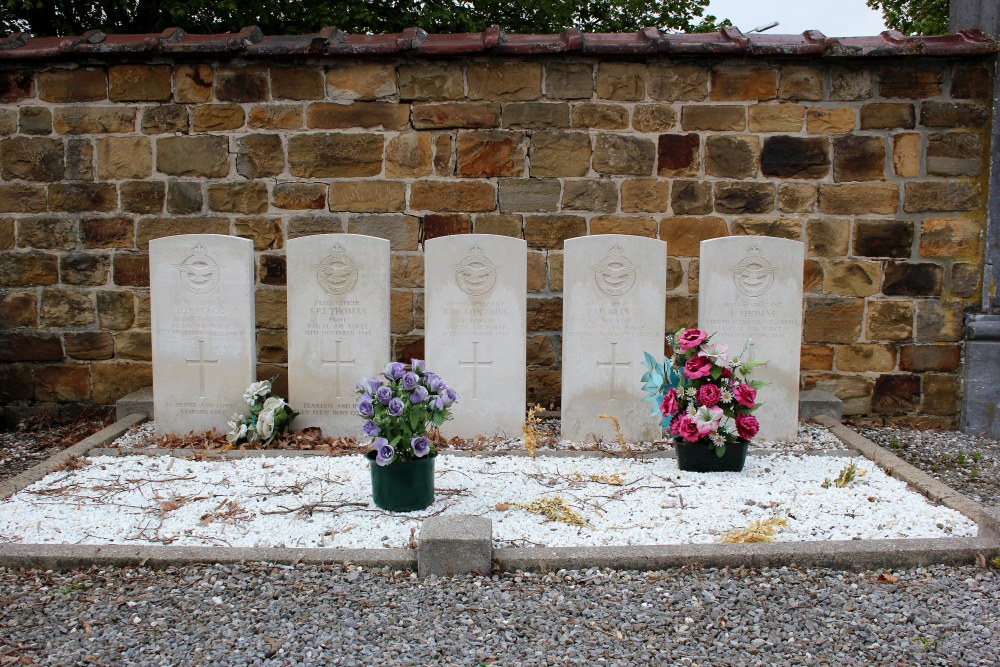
(398, 406)
(702, 393)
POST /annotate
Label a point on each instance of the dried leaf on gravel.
(887, 578)
(757, 531)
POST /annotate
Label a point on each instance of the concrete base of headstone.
(137, 403)
(455, 545)
(818, 402)
(981, 403)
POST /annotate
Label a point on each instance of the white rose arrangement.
(264, 421)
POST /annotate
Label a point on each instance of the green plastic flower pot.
(701, 457)
(402, 486)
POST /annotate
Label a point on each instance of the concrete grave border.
(438, 553)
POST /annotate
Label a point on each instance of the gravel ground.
(318, 615)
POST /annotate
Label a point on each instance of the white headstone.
(751, 287)
(613, 311)
(201, 289)
(475, 290)
(338, 325)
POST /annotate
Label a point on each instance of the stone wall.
(878, 165)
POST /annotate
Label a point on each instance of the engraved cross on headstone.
(475, 363)
(337, 362)
(201, 361)
(613, 387)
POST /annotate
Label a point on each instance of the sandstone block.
(623, 155)
(35, 120)
(139, 83)
(816, 358)
(422, 82)
(684, 235)
(444, 146)
(81, 197)
(131, 269)
(965, 279)
(783, 117)
(827, 237)
(165, 119)
(326, 116)
(653, 118)
(90, 345)
(859, 198)
(307, 225)
(558, 154)
(217, 117)
(619, 224)
(953, 114)
(368, 196)
(79, 159)
(906, 155)
(528, 194)
(239, 197)
(941, 395)
(335, 155)
(113, 380)
(889, 320)
(497, 80)
(7, 234)
(971, 82)
(275, 116)
(896, 394)
(910, 82)
(854, 390)
(18, 309)
(691, 198)
(47, 233)
(67, 308)
(850, 83)
(958, 238)
(777, 226)
(184, 197)
(682, 311)
(743, 82)
(458, 197)
(502, 225)
(18, 85)
(821, 120)
(678, 82)
(912, 279)
(801, 83)
(865, 357)
(133, 345)
(124, 157)
(154, 228)
(107, 233)
(858, 158)
(940, 321)
(852, 277)
(621, 81)
(296, 83)
(143, 196)
(954, 154)
(887, 116)
(729, 156)
(259, 156)
(645, 195)
(408, 155)
(62, 383)
(193, 83)
(30, 347)
(446, 224)
(94, 120)
(950, 195)
(193, 156)
(272, 270)
(21, 198)
(469, 115)
(678, 155)
(797, 197)
(402, 231)
(86, 84)
(589, 195)
(795, 157)
(717, 117)
(32, 159)
(530, 115)
(298, 196)
(832, 319)
(569, 81)
(921, 358)
(548, 232)
(735, 197)
(490, 154)
(544, 313)
(247, 83)
(600, 116)
(883, 238)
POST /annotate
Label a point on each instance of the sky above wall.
(834, 18)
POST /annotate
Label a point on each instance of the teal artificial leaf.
(650, 360)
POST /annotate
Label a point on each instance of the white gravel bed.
(326, 502)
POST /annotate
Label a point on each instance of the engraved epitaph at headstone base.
(338, 325)
(751, 287)
(202, 318)
(475, 293)
(613, 311)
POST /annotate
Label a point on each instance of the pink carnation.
(687, 428)
(745, 395)
(697, 367)
(709, 395)
(691, 338)
(747, 426)
(669, 405)
(674, 426)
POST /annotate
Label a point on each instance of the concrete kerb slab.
(854, 554)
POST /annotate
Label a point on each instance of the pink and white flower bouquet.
(704, 394)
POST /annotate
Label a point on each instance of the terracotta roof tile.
(331, 42)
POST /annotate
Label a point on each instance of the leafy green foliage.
(74, 17)
(848, 474)
(914, 17)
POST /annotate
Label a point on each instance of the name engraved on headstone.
(338, 325)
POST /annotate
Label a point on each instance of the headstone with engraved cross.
(750, 287)
(201, 289)
(475, 293)
(613, 311)
(338, 325)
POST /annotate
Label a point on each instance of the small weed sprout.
(977, 456)
(960, 459)
(553, 508)
(996, 562)
(757, 531)
(848, 474)
(530, 429)
(619, 438)
(893, 442)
